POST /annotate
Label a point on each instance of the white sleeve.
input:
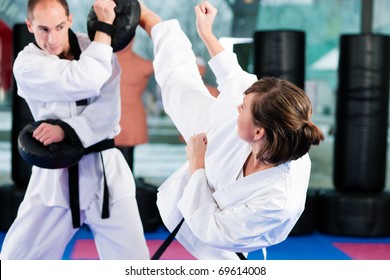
(185, 98)
(100, 118)
(223, 229)
(61, 80)
(232, 80)
(253, 224)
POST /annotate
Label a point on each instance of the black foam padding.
(281, 54)
(354, 214)
(146, 195)
(128, 14)
(21, 114)
(57, 155)
(10, 199)
(360, 146)
(307, 223)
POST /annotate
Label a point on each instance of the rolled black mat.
(10, 198)
(354, 214)
(280, 53)
(307, 222)
(21, 114)
(360, 146)
(146, 195)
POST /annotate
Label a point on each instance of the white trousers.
(42, 232)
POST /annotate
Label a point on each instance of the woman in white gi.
(51, 78)
(244, 185)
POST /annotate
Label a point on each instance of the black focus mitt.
(57, 155)
(128, 13)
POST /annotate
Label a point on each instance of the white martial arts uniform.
(51, 87)
(224, 212)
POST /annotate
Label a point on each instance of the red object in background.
(5, 56)
(85, 249)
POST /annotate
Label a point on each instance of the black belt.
(82, 102)
(169, 240)
(73, 173)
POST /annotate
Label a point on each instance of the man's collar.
(74, 44)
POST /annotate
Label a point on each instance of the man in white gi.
(65, 76)
(244, 185)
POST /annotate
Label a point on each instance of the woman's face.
(246, 128)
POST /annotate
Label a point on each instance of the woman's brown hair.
(284, 111)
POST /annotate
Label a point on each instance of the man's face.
(50, 24)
